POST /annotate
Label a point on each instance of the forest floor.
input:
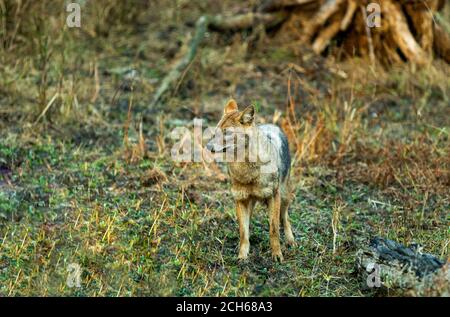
(373, 158)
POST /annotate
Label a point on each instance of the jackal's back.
(279, 141)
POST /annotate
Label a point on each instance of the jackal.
(260, 174)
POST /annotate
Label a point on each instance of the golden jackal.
(260, 174)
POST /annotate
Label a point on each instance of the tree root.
(408, 30)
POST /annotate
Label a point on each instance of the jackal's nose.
(210, 147)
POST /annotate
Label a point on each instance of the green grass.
(83, 205)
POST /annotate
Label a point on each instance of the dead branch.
(219, 22)
(174, 74)
(246, 20)
(273, 5)
(369, 37)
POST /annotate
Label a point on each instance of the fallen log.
(386, 263)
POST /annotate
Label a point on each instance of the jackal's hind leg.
(274, 209)
(284, 213)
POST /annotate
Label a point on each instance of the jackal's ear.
(247, 115)
(231, 106)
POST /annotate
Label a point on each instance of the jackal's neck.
(249, 170)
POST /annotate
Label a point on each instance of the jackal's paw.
(243, 252)
(242, 260)
(277, 256)
(291, 242)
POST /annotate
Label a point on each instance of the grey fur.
(279, 140)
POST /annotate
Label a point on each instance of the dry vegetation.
(86, 175)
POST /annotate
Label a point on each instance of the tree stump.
(390, 30)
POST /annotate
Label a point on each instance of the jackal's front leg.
(243, 211)
(274, 210)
